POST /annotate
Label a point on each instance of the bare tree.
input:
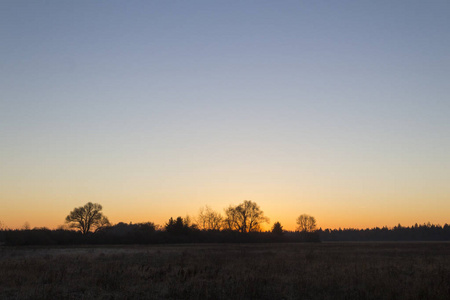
(26, 226)
(209, 219)
(245, 217)
(306, 223)
(189, 222)
(88, 217)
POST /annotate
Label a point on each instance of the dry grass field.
(228, 271)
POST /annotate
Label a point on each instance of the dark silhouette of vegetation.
(245, 217)
(2, 233)
(149, 233)
(26, 226)
(424, 232)
(179, 226)
(88, 217)
(42, 236)
(209, 219)
(306, 223)
(122, 233)
(277, 228)
(242, 224)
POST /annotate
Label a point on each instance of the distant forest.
(148, 233)
(424, 232)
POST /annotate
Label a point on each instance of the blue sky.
(156, 108)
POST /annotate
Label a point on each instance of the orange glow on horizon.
(52, 220)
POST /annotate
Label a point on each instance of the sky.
(154, 109)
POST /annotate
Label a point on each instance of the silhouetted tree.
(209, 219)
(88, 217)
(245, 217)
(187, 221)
(306, 223)
(26, 226)
(2, 233)
(178, 226)
(277, 228)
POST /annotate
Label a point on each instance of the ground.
(228, 271)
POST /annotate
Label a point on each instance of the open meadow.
(228, 271)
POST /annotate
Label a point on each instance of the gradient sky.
(338, 109)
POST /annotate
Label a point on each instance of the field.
(228, 271)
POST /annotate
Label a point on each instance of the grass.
(228, 271)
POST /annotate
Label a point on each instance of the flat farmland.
(228, 271)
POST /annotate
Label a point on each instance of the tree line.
(240, 223)
(245, 217)
(422, 232)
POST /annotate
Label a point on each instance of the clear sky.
(337, 109)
